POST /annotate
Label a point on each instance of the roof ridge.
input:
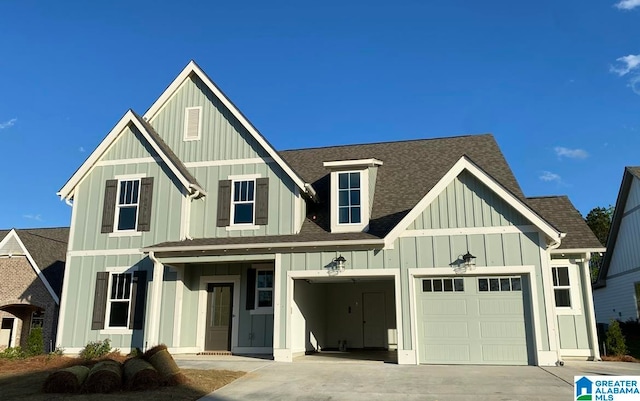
(47, 238)
(547, 196)
(390, 142)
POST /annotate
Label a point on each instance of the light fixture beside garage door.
(338, 264)
(466, 262)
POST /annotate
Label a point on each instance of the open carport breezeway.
(356, 380)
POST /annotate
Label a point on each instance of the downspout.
(68, 202)
(187, 213)
(591, 312)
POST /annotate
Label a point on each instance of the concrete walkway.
(370, 380)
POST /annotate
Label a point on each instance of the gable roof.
(151, 136)
(46, 250)
(410, 171)
(559, 211)
(630, 173)
(193, 69)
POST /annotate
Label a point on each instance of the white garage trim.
(286, 355)
(499, 270)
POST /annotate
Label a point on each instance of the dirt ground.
(23, 379)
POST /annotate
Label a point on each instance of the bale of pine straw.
(104, 377)
(162, 360)
(140, 375)
(67, 380)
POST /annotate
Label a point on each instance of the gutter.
(271, 245)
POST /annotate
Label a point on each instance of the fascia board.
(559, 251)
(35, 267)
(465, 164)
(192, 67)
(66, 192)
(277, 245)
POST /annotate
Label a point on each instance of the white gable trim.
(35, 267)
(465, 164)
(193, 68)
(66, 192)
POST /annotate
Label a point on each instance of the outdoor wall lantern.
(339, 262)
(469, 261)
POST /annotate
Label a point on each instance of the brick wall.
(21, 292)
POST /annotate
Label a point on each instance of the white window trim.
(117, 330)
(186, 124)
(364, 203)
(264, 310)
(243, 226)
(574, 288)
(116, 218)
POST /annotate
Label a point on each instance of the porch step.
(214, 353)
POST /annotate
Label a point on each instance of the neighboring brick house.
(32, 267)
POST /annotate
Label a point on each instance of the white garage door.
(472, 320)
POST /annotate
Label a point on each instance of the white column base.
(548, 358)
(407, 357)
(282, 355)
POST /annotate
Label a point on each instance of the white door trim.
(529, 270)
(202, 308)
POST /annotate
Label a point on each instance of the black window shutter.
(262, 201)
(224, 203)
(138, 298)
(100, 301)
(146, 198)
(109, 206)
(251, 289)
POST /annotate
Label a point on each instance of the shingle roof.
(410, 170)
(48, 248)
(559, 211)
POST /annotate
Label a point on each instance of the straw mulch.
(163, 362)
(67, 380)
(140, 375)
(104, 377)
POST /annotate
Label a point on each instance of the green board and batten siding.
(231, 140)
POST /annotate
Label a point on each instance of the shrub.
(614, 340)
(59, 351)
(96, 349)
(12, 353)
(35, 342)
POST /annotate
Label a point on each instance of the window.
(349, 200)
(561, 286)
(264, 289)
(119, 301)
(243, 202)
(443, 285)
(127, 205)
(37, 319)
(499, 284)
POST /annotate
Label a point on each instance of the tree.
(599, 220)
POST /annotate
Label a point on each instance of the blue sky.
(552, 80)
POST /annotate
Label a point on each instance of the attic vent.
(192, 123)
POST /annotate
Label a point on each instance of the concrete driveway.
(365, 380)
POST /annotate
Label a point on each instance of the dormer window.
(351, 200)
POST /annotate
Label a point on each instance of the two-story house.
(189, 229)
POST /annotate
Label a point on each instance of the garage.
(474, 320)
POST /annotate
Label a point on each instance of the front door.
(219, 314)
(373, 320)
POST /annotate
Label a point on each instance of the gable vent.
(192, 123)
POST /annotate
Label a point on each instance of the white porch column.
(153, 309)
(590, 312)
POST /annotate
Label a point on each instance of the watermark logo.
(607, 388)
